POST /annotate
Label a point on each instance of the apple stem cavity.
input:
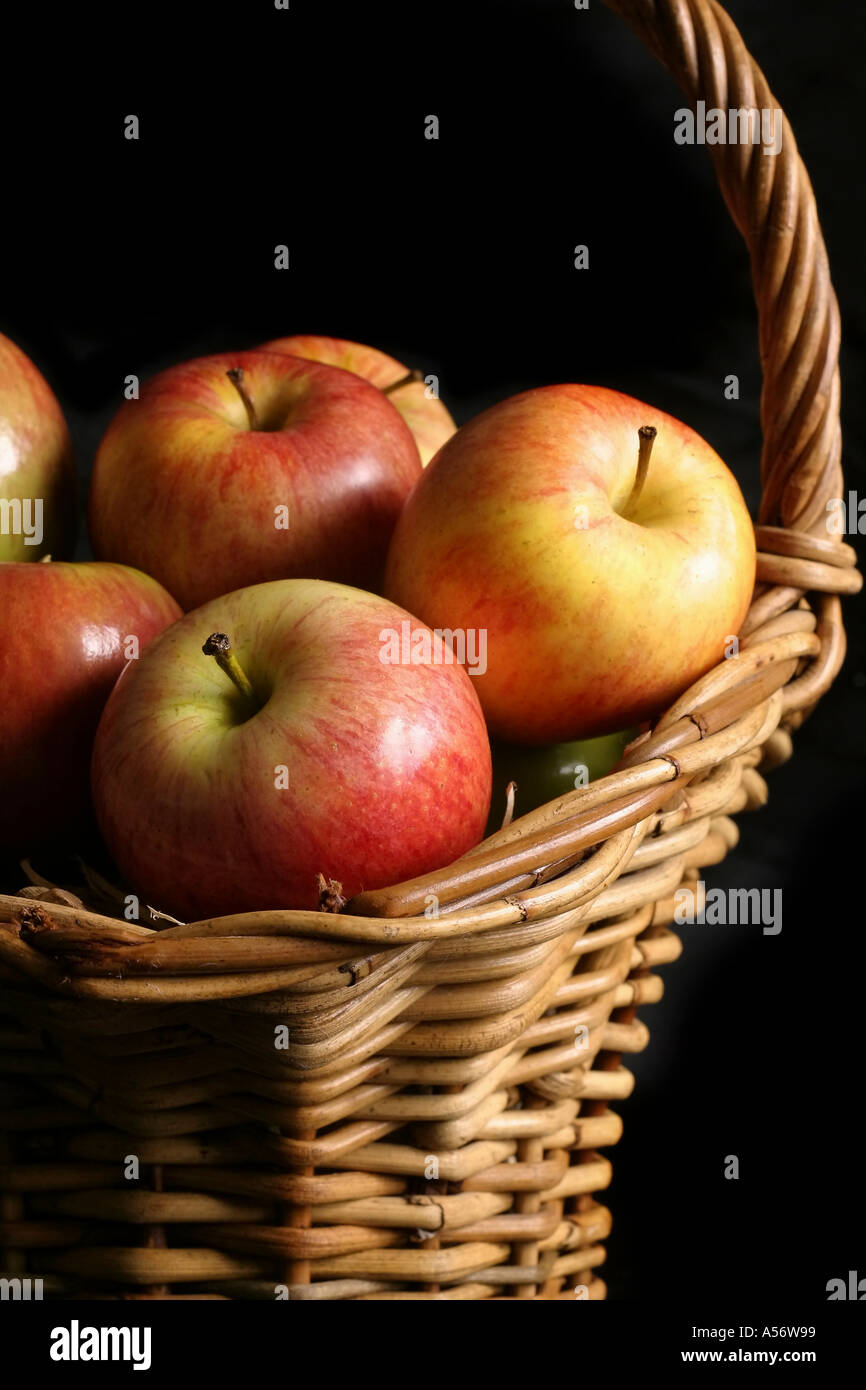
(402, 381)
(236, 377)
(646, 438)
(220, 648)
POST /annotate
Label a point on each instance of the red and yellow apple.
(66, 632)
(604, 588)
(236, 469)
(37, 473)
(426, 416)
(309, 753)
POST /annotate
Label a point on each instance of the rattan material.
(433, 1128)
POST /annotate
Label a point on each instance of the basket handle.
(772, 204)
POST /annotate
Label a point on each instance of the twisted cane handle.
(771, 201)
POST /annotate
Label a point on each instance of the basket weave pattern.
(394, 1102)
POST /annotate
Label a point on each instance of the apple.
(66, 631)
(236, 469)
(37, 473)
(229, 784)
(542, 774)
(425, 415)
(605, 571)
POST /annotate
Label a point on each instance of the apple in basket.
(37, 474)
(602, 545)
(66, 632)
(274, 736)
(236, 469)
(426, 416)
(541, 774)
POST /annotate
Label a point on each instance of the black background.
(306, 127)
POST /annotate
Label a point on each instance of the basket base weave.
(165, 1150)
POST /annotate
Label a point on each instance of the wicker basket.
(378, 1103)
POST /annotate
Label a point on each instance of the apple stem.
(220, 648)
(646, 436)
(330, 894)
(510, 791)
(402, 381)
(236, 377)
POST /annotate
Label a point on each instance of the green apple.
(542, 774)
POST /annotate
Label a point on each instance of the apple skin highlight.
(344, 766)
(595, 619)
